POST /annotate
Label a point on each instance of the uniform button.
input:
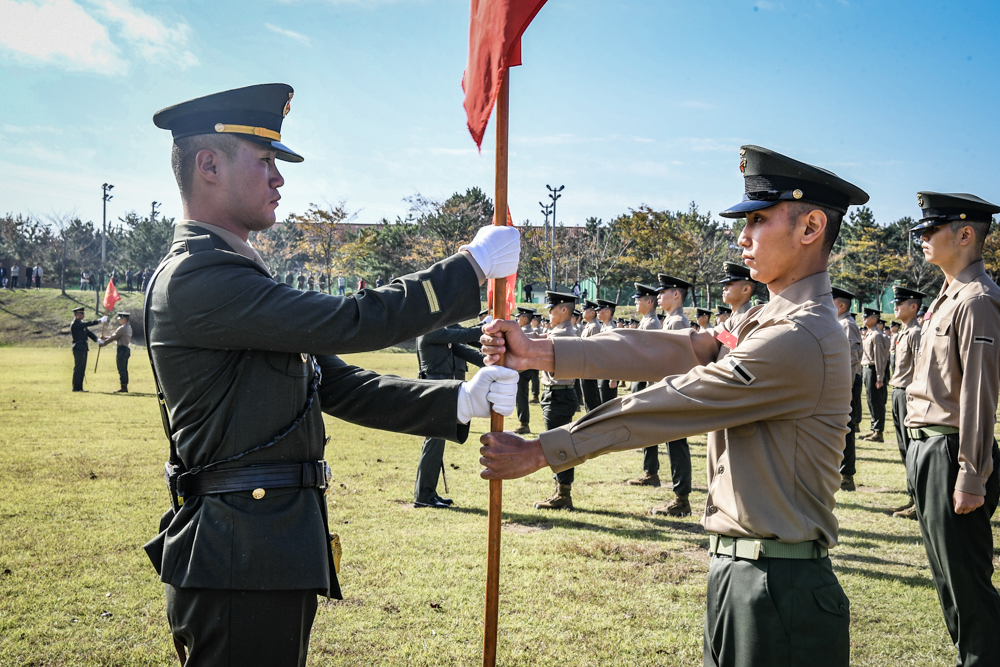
(712, 509)
(562, 456)
(258, 494)
(722, 469)
(843, 609)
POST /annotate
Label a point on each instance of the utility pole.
(554, 196)
(546, 211)
(106, 189)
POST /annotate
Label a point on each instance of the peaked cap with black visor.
(770, 178)
(253, 113)
(940, 208)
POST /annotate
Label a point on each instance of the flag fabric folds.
(111, 296)
(495, 29)
(511, 281)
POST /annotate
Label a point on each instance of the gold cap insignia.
(797, 194)
(305, 357)
(743, 164)
(258, 494)
(920, 201)
(219, 127)
(962, 216)
(288, 106)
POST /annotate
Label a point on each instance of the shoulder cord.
(165, 416)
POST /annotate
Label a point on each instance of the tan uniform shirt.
(676, 320)
(907, 345)
(649, 322)
(784, 422)
(567, 330)
(955, 380)
(591, 328)
(853, 333)
(123, 334)
(874, 352)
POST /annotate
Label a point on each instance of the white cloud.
(63, 33)
(695, 104)
(58, 32)
(154, 40)
(291, 34)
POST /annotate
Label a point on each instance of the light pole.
(106, 189)
(546, 211)
(554, 196)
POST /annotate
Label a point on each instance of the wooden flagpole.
(98, 360)
(496, 421)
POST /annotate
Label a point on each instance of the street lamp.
(554, 196)
(106, 190)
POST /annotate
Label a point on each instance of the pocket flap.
(832, 599)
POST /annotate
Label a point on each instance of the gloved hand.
(488, 318)
(492, 384)
(104, 319)
(496, 250)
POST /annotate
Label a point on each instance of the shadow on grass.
(871, 560)
(874, 510)
(137, 394)
(865, 535)
(914, 581)
(871, 459)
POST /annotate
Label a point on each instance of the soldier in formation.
(525, 378)
(842, 299)
(591, 326)
(645, 305)
(773, 597)
(906, 344)
(874, 361)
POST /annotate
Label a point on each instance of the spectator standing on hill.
(322, 282)
(340, 286)
(300, 280)
(3, 278)
(379, 282)
(93, 281)
(289, 278)
(84, 280)
(128, 279)
(38, 276)
(527, 292)
(145, 279)
(13, 276)
(311, 283)
(576, 289)
(361, 284)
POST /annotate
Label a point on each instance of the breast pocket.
(292, 365)
(940, 342)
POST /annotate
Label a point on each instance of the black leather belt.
(256, 478)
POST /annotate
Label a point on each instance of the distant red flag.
(495, 29)
(511, 282)
(111, 296)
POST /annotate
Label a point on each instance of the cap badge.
(743, 164)
(962, 216)
(797, 194)
(920, 201)
(219, 127)
(288, 106)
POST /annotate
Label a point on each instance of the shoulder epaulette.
(199, 244)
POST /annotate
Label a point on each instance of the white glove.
(492, 384)
(103, 319)
(496, 250)
(487, 319)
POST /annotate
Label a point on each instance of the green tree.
(141, 242)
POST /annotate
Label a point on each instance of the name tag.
(727, 339)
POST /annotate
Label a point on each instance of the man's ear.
(813, 226)
(206, 165)
(966, 236)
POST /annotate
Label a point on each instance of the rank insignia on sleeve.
(983, 340)
(740, 371)
(432, 300)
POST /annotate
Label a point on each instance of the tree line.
(325, 241)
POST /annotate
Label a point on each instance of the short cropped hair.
(979, 229)
(185, 149)
(833, 220)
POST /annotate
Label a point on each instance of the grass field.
(607, 584)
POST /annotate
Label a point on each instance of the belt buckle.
(327, 476)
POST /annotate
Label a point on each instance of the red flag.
(495, 29)
(111, 296)
(511, 282)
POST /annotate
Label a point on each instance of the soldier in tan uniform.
(842, 299)
(702, 318)
(737, 290)
(525, 378)
(605, 317)
(907, 344)
(559, 401)
(722, 313)
(952, 462)
(773, 598)
(645, 305)
(591, 326)
(123, 336)
(874, 357)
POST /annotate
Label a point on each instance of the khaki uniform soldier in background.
(558, 397)
(773, 597)
(952, 461)
(78, 329)
(893, 337)
(842, 299)
(525, 378)
(246, 367)
(703, 317)
(874, 359)
(605, 318)
(722, 313)
(591, 326)
(123, 335)
(907, 344)
(738, 289)
(645, 305)
(671, 295)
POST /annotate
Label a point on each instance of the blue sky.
(623, 102)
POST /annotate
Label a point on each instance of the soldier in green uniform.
(645, 305)
(246, 367)
(671, 294)
(773, 597)
(525, 378)
(907, 344)
(842, 299)
(558, 397)
(78, 329)
(442, 355)
(123, 336)
(874, 357)
(952, 461)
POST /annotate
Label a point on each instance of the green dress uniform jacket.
(230, 350)
(436, 350)
(80, 333)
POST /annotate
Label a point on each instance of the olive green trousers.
(775, 612)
